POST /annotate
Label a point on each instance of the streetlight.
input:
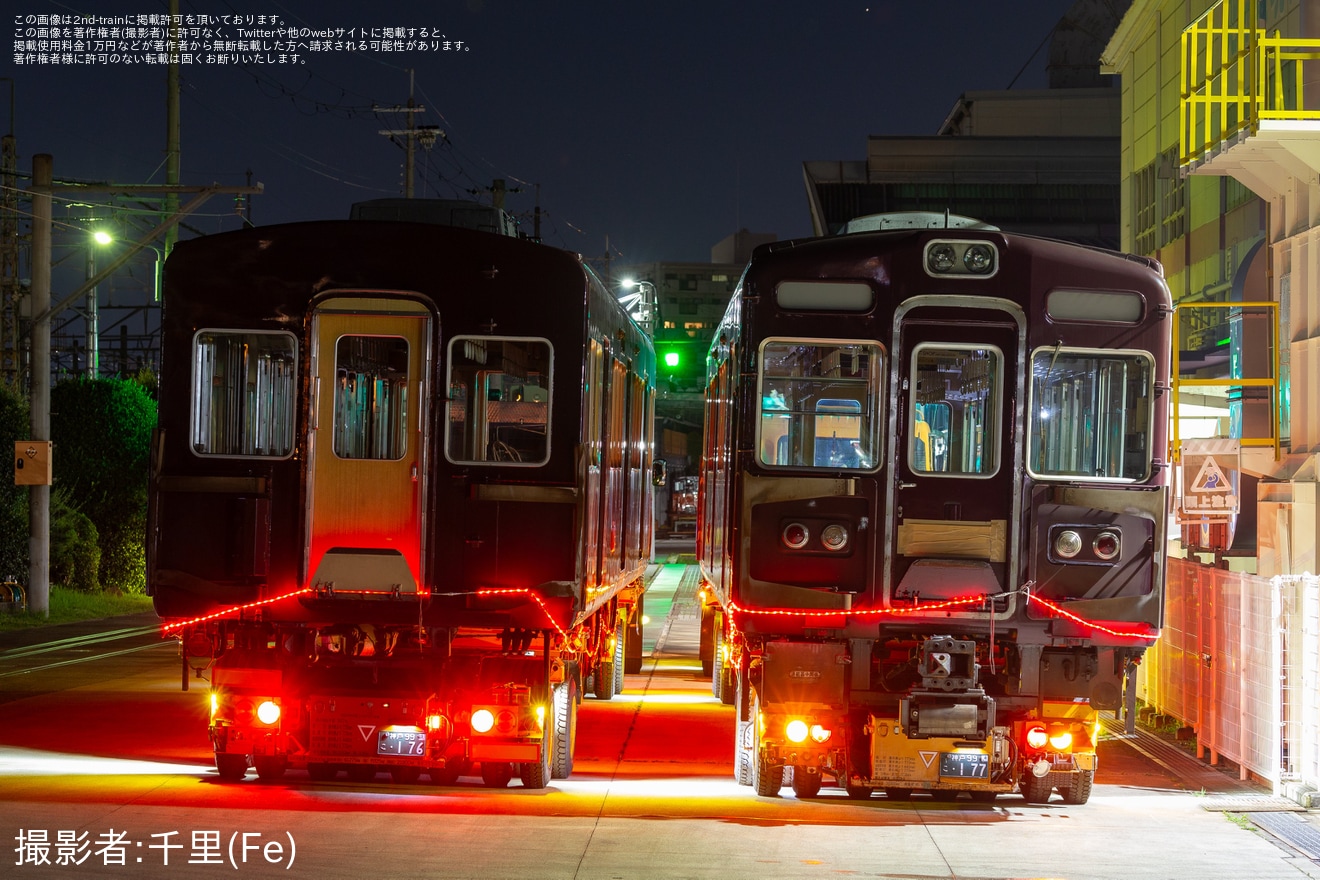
(93, 331)
(641, 304)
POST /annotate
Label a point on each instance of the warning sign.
(1206, 488)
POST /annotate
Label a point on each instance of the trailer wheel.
(744, 743)
(728, 691)
(496, 774)
(984, 797)
(898, 794)
(405, 774)
(620, 639)
(231, 768)
(448, 774)
(1080, 791)
(632, 657)
(563, 735)
(321, 772)
(857, 792)
(717, 664)
(536, 774)
(805, 785)
(270, 767)
(767, 778)
(1036, 789)
(706, 640)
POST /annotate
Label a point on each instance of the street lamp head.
(100, 236)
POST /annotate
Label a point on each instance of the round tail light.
(1107, 545)
(1037, 737)
(795, 536)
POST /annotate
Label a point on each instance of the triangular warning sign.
(1211, 479)
(927, 758)
(366, 730)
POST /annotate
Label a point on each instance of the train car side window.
(1090, 414)
(498, 410)
(371, 397)
(953, 426)
(244, 391)
(820, 404)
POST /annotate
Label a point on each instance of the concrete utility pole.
(39, 495)
(412, 134)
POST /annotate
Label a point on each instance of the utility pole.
(39, 404)
(172, 126)
(411, 133)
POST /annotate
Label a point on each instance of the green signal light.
(671, 359)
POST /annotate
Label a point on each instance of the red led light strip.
(935, 607)
(235, 609)
(1056, 609)
(525, 592)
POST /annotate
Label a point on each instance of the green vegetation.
(68, 606)
(1241, 820)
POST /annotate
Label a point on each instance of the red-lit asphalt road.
(114, 747)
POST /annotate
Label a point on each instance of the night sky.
(663, 127)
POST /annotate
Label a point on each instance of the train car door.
(956, 437)
(367, 445)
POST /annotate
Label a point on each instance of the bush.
(75, 554)
(102, 432)
(15, 425)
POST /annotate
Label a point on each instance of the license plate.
(405, 743)
(964, 765)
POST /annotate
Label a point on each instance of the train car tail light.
(1037, 737)
(796, 730)
(1061, 740)
(1107, 545)
(434, 722)
(1067, 544)
(834, 537)
(820, 734)
(795, 536)
(506, 722)
(268, 712)
(483, 720)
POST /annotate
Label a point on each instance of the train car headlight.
(1067, 544)
(834, 537)
(1061, 740)
(1107, 545)
(941, 258)
(796, 730)
(268, 712)
(820, 734)
(979, 259)
(795, 536)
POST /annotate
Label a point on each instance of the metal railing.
(1234, 74)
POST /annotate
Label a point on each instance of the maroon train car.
(933, 497)
(401, 496)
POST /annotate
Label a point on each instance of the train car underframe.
(406, 700)
(910, 714)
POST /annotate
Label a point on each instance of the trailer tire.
(1080, 791)
(608, 678)
(537, 774)
(984, 797)
(857, 792)
(728, 692)
(496, 774)
(767, 779)
(744, 742)
(805, 785)
(706, 646)
(448, 774)
(1036, 789)
(270, 767)
(563, 735)
(231, 768)
(620, 639)
(405, 774)
(898, 794)
(321, 772)
(632, 656)
(717, 664)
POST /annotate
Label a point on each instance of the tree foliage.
(102, 432)
(14, 426)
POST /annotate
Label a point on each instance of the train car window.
(953, 425)
(244, 390)
(498, 410)
(371, 397)
(820, 404)
(1090, 414)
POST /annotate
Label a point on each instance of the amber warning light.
(32, 463)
